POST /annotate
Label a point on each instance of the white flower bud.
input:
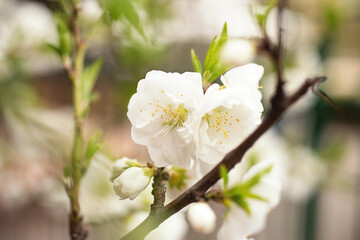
(132, 182)
(238, 52)
(201, 218)
(121, 165)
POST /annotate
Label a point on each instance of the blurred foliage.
(333, 17)
(15, 90)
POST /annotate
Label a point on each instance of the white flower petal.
(243, 77)
(161, 114)
(169, 149)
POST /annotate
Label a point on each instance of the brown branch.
(280, 47)
(276, 51)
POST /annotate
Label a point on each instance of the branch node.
(158, 191)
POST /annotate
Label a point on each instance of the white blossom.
(201, 217)
(227, 115)
(161, 114)
(238, 224)
(132, 182)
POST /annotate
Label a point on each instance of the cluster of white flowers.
(183, 126)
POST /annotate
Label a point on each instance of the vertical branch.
(278, 58)
(276, 53)
(77, 229)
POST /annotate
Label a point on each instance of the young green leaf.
(240, 200)
(89, 77)
(210, 54)
(255, 196)
(261, 17)
(54, 48)
(67, 171)
(224, 174)
(65, 37)
(92, 147)
(126, 9)
(256, 178)
(213, 67)
(195, 62)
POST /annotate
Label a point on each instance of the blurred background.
(317, 143)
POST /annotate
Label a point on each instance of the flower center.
(171, 116)
(220, 122)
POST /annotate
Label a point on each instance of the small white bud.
(238, 52)
(201, 218)
(120, 165)
(132, 182)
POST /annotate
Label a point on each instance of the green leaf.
(261, 17)
(213, 67)
(93, 146)
(67, 171)
(89, 77)
(223, 37)
(195, 62)
(124, 8)
(65, 37)
(256, 178)
(224, 174)
(212, 57)
(210, 54)
(240, 200)
(240, 193)
(255, 196)
(54, 48)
